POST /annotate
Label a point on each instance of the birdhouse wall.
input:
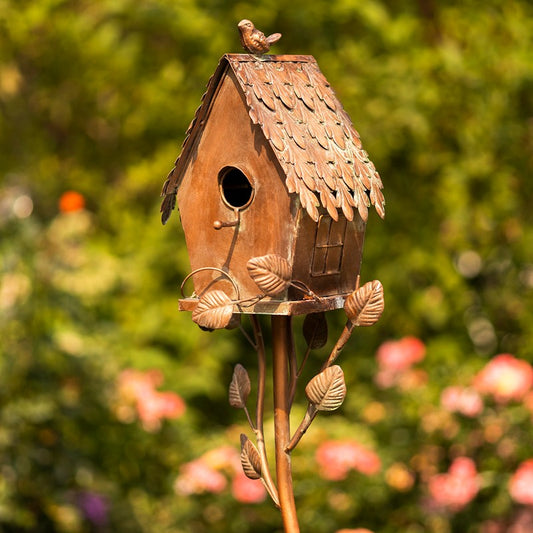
(267, 225)
(328, 254)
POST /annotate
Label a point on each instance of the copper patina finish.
(273, 188)
(277, 124)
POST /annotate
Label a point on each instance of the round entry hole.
(236, 189)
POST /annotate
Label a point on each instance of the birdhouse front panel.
(233, 178)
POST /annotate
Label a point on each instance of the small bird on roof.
(253, 40)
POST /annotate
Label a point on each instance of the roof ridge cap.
(270, 58)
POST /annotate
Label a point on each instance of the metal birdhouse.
(273, 188)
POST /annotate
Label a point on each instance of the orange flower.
(71, 201)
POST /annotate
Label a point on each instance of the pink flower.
(337, 458)
(246, 490)
(397, 356)
(458, 487)
(521, 483)
(152, 406)
(204, 475)
(197, 477)
(155, 406)
(135, 383)
(462, 400)
(506, 378)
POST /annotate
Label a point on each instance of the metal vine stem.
(325, 392)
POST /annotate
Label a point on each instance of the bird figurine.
(254, 40)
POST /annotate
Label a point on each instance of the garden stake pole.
(281, 326)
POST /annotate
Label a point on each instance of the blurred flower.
(374, 412)
(462, 400)
(458, 487)
(246, 490)
(94, 507)
(399, 477)
(337, 457)
(521, 483)
(156, 405)
(71, 201)
(358, 530)
(196, 477)
(205, 475)
(505, 377)
(138, 388)
(223, 457)
(400, 355)
(395, 359)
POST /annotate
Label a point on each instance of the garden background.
(113, 411)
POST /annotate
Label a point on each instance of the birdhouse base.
(279, 307)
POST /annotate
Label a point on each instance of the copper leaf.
(250, 459)
(214, 310)
(315, 330)
(365, 305)
(326, 391)
(239, 388)
(271, 273)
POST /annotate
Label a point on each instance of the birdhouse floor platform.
(279, 307)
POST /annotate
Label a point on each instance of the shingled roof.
(310, 133)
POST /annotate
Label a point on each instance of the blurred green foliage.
(96, 96)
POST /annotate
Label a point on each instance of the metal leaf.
(327, 390)
(214, 310)
(250, 459)
(315, 330)
(271, 273)
(365, 305)
(240, 387)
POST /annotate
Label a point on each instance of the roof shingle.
(310, 133)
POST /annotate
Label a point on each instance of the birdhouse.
(273, 188)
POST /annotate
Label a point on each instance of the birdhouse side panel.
(233, 177)
(328, 253)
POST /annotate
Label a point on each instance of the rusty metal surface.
(307, 128)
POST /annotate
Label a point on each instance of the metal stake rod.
(281, 330)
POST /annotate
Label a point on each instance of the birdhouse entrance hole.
(235, 188)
